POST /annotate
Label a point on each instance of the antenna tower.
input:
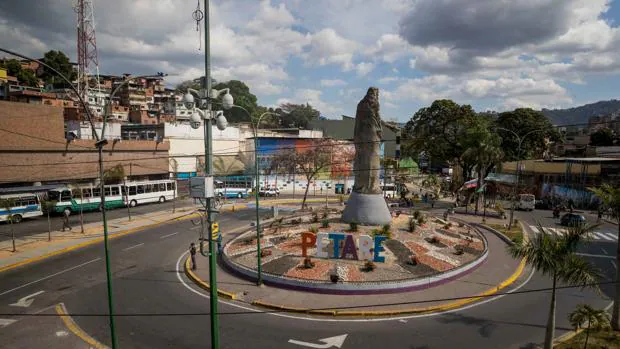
(88, 62)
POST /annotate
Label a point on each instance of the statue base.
(366, 209)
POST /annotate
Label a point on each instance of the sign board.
(201, 187)
(215, 231)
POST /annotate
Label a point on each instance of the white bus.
(389, 190)
(527, 202)
(137, 193)
(24, 205)
(234, 187)
(85, 198)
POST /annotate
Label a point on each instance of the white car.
(269, 192)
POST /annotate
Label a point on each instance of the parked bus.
(527, 202)
(236, 187)
(138, 193)
(86, 198)
(25, 205)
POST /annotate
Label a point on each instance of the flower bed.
(416, 248)
(435, 263)
(320, 271)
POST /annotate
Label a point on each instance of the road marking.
(535, 229)
(134, 246)
(49, 276)
(195, 228)
(169, 235)
(605, 252)
(405, 317)
(604, 236)
(336, 341)
(403, 321)
(594, 255)
(62, 333)
(5, 322)
(25, 302)
(612, 236)
(614, 264)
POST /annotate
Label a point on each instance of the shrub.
(432, 240)
(411, 225)
(381, 232)
(308, 263)
(353, 226)
(369, 266)
(385, 229)
(315, 217)
(325, 223)
(458, 250)
(416, 214)
(461, 225)
(413, 260)
(314, 229)
(265, 253)
(421, 219)
(325, 214)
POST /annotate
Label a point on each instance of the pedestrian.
(65, 220)
(192, 252)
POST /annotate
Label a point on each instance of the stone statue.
(366, 204)
(367, 138)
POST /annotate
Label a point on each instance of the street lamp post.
(520, 139)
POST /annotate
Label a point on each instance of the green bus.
(87, 196)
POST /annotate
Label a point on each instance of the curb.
(61, 310)
(92, 242)
(192, 276)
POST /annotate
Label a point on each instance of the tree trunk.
(478, 188)
(12, 231)
(303, 202)
(49, 226)
(615, 313)
(549, 334)
(174, 194)
(82, 215)
(585, 344)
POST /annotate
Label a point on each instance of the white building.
(83, 130)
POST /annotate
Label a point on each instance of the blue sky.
(492, 54)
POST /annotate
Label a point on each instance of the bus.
(85, 198)
(25, 205)
(137, 193)
(527, 202)
(233, 186)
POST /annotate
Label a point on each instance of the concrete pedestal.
(366, 209)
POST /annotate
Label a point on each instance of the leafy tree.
(596, 319)
(556, 257)
(7, 204)
(611, 200)
(310, 161)
(523, 121)
(25, 76)
(195, 84)
(114, 175)
(59, 61)
(603, 137)
(297, 115)
(242, 97)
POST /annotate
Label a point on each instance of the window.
(146, 188)
(87, 193)
(173, 185)
(140, 189)
(132, 190)
(115, 191)
(106, 190)
(96, 192)
(162, 186)
(168, 186)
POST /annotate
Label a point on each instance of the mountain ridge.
(581, 114)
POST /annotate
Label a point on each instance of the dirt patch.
(281, 265)
(416, 248)
(320, 271)
(400, 251)
(449, 233)
(292, 246)
(435, 263)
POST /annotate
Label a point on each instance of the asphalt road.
(147, 280)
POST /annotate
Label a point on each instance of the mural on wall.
(580, 197)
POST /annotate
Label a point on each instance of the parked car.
(572, 219)
(269, 192)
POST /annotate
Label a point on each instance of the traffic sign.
(215, 230)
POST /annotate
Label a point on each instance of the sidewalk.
(497, 272)
(37, 247)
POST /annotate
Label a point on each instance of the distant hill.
(580, 115)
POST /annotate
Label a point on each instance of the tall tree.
(611, 200)
(603, 137)
(556, 257)
(59, 61)
(297, 115)
(25, 76)
(243, 98)
(522, 121)
(596, 319)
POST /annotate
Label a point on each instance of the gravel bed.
(450, 233)
(281, 265)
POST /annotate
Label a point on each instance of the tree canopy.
(242, 97)
(59, 61)
(524, 121)
(602, 137)
(25, 76)
(297, 115)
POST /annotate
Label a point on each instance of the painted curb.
(61, 310)
(92, 242)
(192, 276)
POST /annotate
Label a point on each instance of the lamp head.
(221, 122)
(188, 100)
(195, 120)
(227, 101)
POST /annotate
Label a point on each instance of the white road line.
(169, 235)
(604, 236)
(604, 251)
(490, 299)
(49, 276)
(595, 255)
(534, 229)
(614, 264)
(134, 246)
(612, 236)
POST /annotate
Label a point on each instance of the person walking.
(192, 252)
(65, 220)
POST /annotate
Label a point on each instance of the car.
(269, 192)
(572, 219)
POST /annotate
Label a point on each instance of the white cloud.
(327, 47)
(364, 68)
(332, 83)
(390, 48)
(388, 80)
(312, 97)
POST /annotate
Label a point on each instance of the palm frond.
(576, 270)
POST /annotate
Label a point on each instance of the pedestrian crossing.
(596, 235)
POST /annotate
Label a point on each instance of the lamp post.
(520, 139)
(255, 126)
(100, 142)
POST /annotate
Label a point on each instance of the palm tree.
(8, 204)
(611, 199)
(555, 257)
(596, 319)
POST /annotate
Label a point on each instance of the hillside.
(580, 115)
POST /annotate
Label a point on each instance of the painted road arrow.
(6, 322)
(336, 341)
(26, 301)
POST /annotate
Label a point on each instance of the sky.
(492, 54)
